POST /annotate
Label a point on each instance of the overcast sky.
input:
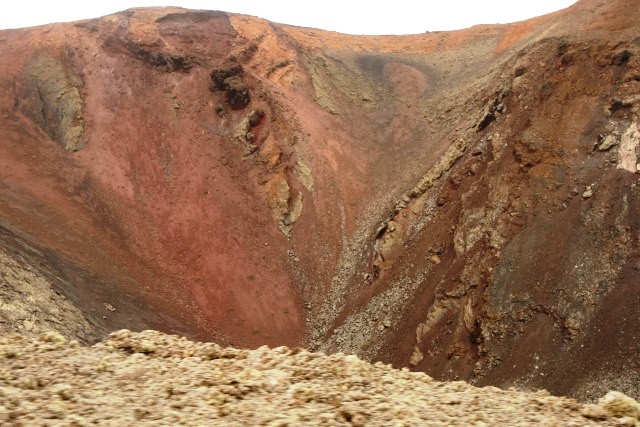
(346, 16)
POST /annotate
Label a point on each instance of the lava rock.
(220, 74)
(255, 117)
(237, 93)
(230, 80)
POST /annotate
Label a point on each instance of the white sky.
(346, 16)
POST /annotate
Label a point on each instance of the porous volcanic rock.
(152, 378)
(229, 79)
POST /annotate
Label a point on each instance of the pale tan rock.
(595, 412)
(416, 357)
(620, 405)
(608, 142)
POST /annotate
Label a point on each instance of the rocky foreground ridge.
(154, 378)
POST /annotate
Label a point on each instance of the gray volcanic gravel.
(150, 378)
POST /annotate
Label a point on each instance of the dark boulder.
(229, 79)
(237, 92)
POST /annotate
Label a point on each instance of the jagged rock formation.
(464, 203)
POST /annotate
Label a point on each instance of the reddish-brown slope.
(416, 199)
(154, 195)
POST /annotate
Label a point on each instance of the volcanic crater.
(462, 203)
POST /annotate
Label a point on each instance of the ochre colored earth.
(462, 203)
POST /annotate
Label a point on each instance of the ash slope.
(463, 203)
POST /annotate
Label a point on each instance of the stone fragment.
(626, 422)
(220, 111)
(608, 142)
(416, 357)
(594, 412)
(620, 405)
(255, 117)
(64, 391)
(147, 346)
(627, 157)
(53, 337)
(621, 57)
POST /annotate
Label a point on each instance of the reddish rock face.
(463, 203)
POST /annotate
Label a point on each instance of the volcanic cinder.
(464, 203)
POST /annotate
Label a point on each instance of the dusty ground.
(157, 379)
(461, 203)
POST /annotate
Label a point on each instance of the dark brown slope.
(445, 201)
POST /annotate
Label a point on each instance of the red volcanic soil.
(464, 203)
